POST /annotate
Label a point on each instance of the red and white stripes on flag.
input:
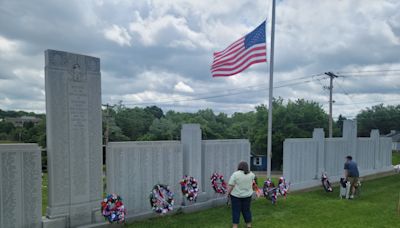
(240, 55)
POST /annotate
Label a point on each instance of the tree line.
(292, 119)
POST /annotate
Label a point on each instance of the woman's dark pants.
(240, 205)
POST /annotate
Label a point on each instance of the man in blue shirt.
(351, 174)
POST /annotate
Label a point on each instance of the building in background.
(20, 121)
(395, 135)
(258, 162)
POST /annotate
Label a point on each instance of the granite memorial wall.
(21, 186)
(304, 160)
(133, 168)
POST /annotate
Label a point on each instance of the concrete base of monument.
(97, 217)
(198, 206)
(102, 224)
(54, 222)
(202, 197)
(60, 222)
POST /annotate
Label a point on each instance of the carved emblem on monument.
(76, 73)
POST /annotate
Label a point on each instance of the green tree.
(6, 127)
(134, 122)
(114, 131)
(384, 118)
(296, 119)
(155, 111)
(241, 125)
(162, 129)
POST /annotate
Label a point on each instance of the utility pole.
(332, 76)
(106, 132)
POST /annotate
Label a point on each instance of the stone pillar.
(375, 140)
(21, 186)
(192, 156)
(350, 134)
(319, 138)
(74, 140)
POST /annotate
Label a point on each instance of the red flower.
(118, 204)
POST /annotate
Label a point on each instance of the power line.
(348, 95)
(367, 71)
(370, 75)
(369, 102)
(263, 87)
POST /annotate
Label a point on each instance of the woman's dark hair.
(349, 157)
(244, 167)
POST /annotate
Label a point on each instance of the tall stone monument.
(74, 140)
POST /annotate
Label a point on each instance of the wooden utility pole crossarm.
(332, 76)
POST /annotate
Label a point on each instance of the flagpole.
(270, 97)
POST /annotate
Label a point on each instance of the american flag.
(240, 55)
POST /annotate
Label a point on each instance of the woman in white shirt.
(240, 191)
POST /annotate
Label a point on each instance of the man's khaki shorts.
(353, 181)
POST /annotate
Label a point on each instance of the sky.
(156, 52)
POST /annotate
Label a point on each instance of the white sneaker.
(351, 197)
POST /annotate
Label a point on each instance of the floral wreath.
(218, 183)
(189, 188)
(283, 187)
(270, 191)
(113, 209)
(161, 199)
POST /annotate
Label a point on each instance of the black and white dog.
(344, 188)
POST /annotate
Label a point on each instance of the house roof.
(256, 155)
(395, 136)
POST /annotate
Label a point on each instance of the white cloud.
(7, 47)
(161, 50)
(167, 30)
(182, 87)
(118, 34)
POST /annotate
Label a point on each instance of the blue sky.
(160, 52)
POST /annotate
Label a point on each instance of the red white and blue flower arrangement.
(270, 191)
(113, 209)
(161, 199)
(218, 183)
(189, 188)
(283, 187)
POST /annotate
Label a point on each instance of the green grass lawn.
(376, 207)
(396, 158)
(7, 142)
